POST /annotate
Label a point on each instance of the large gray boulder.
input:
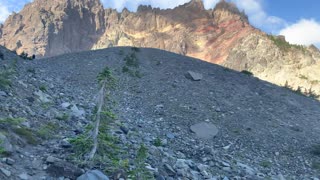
(93, 175)
(204, 130)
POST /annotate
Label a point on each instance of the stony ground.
(225, 125)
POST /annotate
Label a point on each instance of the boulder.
(93, 175)
(43, 97)
(194, 76)
(204, 130)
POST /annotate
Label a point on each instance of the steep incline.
(263, 131)
(221, 35)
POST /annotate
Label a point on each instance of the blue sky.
(298, 20)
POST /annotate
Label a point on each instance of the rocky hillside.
(221, 35)
(167, 116)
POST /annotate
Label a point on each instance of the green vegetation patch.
(131, 60)
(63, 117)
(26, 134)
(157, 142)
(13, 125)
(247, 73)
(135, 49)
(5, 81)
(47, 131)
(284, 45)
(307, 92)
(140, 172)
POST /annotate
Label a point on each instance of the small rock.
(10, 161)
(227, 147)
(204, 130)
(279, 177)
(52, 159)
(93, 175)
(247, 168)
(260, 175)
(160, 178)
(23, 84)
(227, 169)
(65, 105)
(169, 169)
(64, 169)
(26, 124)
(182, 164)
(224, 164)
(30, 99)
(5, 172)
(124, 129)
(24, 176)
(4, 94)
(170, 135)
(77, 112)
(5, 144)
(194, 76)
(43, 97)
(65, 144)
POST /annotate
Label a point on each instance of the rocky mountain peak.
(196, 4)
(227, 10)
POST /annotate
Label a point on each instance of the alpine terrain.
(177, 94)
(165, 116)
(222, 35)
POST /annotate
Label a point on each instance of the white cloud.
(305, 31)
(4, 12)
(258, 16)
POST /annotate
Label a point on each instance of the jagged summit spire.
(196, 3)
(231, 7)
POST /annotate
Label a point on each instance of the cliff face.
(48, 28)
(188, 29)
(279, 63)
(221, 35)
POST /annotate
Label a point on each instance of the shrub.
(131, 60)
(47, 131)
(157, 142)
(43, 88)
(316, 165)
(25, 55)
(247, 72)
(284, 45)
(307, 92)
(140, 172)
(27, 134)
(1, 56)
(63, 117)
(5, 81)
(121, 52)
(315, 150)
(125, 69)
(136, 49)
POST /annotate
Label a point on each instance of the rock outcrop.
(48, 28)
(222, 35)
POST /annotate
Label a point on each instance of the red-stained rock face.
(48, 28)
